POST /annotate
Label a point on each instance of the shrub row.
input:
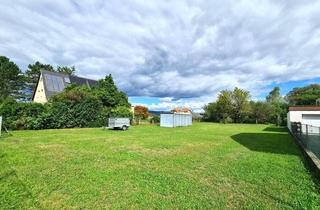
(75, 107)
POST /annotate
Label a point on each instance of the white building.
(308, 115)
(175, 120)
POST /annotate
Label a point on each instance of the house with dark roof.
(51, 83)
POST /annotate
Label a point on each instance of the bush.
(76, 106)
(226, 119)
(73, 108)
(121, 111)
(155, 119)
(16, 115)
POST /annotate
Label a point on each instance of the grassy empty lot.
(203, 166)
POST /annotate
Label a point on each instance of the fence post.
(306, 129)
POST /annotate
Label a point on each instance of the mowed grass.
(205, 166)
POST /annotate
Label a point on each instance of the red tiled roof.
(184, 110)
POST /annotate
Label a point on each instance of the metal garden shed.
(175, 120)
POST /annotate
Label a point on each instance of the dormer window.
(67, 80)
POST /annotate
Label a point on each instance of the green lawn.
(205, 166)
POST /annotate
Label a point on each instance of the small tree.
(155, 119)
(140, 112)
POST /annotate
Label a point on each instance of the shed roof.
(304, 108)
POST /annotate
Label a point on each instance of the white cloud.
(184, 50)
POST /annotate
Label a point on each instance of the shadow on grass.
(277, 143)
(276, 129)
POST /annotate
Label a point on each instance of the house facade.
(307, 115)
(51, 83)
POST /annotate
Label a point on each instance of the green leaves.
(304, 96)
(233, 105)
(67, 70)
(108, 93)
(11, 79)
(76, 106)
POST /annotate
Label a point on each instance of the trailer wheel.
(124, 128)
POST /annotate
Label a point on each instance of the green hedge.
(16, 115)
(75, 107)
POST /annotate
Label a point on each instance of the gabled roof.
(56, 82)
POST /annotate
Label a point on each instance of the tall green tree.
(32, 76)
(224, 106)
(274, 96)
(307, 95)
(260, 111)
(108, 93)
(233, 105)
(240, 104)
(34, 70)
(211, 112)
(66, 69)
(11, 79)
(279, 106)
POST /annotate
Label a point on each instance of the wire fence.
(308, 135)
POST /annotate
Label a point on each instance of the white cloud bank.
(186, 50)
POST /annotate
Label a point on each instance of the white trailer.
(119, 123)
(175, 120)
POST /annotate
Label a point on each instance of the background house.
(51, 83)
(181, 110)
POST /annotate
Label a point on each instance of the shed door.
(311, 119)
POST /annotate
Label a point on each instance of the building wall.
(40, 95)
(296, 116)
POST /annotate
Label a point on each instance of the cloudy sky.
(170, 53)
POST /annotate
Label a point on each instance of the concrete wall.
(40, 95)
